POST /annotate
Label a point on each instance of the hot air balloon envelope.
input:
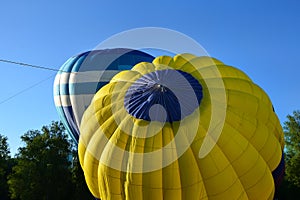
(83, 75)
(142, 136)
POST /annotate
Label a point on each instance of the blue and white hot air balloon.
(83, 75)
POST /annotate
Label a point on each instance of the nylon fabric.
(239, 166)
(81, 76)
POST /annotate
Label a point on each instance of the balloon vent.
(164, 96)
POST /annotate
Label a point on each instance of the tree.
(292, 139)
(81, 190)
(5, 167)
(290, 187)
(43, 165)
(4, 149)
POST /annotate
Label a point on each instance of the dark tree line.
(290, 188)
(46, 168)
(6, 164)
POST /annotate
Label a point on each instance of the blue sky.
(259, 37)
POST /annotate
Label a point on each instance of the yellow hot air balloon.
(181, 128)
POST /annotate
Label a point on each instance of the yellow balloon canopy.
(180, 128)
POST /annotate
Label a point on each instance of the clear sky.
(259, 37)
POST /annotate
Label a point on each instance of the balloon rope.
(24, 90)
(29, 65)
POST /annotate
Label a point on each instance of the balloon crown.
(164, 95)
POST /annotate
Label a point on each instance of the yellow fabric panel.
(144, 68)
(90, 167)
(165, 60)
(224, 185)
(171, 179)
(264, 188)
(238, 167)
(110, 185)
(231, 72)
(274, 126)
(199, 62)
(179, 60)
(129, 76)
(268, 146)
(188, 161)
(259, 137)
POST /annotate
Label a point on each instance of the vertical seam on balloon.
(228, 165)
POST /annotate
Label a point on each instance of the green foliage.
(5, 167)
(43, 167)
(4, 150)
(292, 157)
(81, 191)
(288, 191)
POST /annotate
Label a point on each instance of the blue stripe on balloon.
(124, 67)
(67, 121)
(68, 65)
(79, 61)
(108, 60)
(85, 88)
(78, 88)
(71, 121)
